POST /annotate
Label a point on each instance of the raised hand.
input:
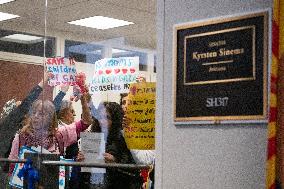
(64, 88)
(46, 77)
(109, 158)
(80, 156)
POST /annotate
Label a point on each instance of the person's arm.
(93, 109)
(143, 156)
(71, 132)
(86, 114)
(59, 97)
(15, 148)
(118, 151)
(86, 120)
(19, 112)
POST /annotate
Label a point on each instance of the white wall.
(203, 156)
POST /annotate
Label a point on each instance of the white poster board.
(114, 74)
(92, 146)
(63, 71)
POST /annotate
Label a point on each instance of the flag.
(275, 149)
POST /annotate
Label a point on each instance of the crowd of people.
(51, 125)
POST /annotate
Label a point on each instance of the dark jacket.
(114, 178)
(118, 178)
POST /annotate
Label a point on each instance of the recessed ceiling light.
(97, 52)
(6, 16)
(5, 1)
(21, 38)
(100, 22)
(114, 51)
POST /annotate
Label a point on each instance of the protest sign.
(63, 71)
(15, 181)
(62, 173)
(140, 133)
(93, 147)
(114, 74)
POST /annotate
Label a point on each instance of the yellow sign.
(140, 133)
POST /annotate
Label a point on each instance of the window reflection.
(83, 52)
(25, 43)
(23, 61)
(116, 53)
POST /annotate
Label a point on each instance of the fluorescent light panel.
(115, 51)
(6, 16)
(21, 38)
(100, 22)
(5, 1)
(97, 51)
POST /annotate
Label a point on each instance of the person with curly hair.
(41, 129)
(66, 116)
(14, 112)
(12, 119)
(146, 157)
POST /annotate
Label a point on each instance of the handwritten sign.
(63, 71)
(93, 147)
(114, 74)
(140, 133)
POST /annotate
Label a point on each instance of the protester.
(146, 157)
(41, 129)
(12, 116)
(109, 116)
(66, 116)
(140, 156)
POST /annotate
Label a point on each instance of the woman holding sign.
(109, 116)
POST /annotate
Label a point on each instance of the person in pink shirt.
(41, 129)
